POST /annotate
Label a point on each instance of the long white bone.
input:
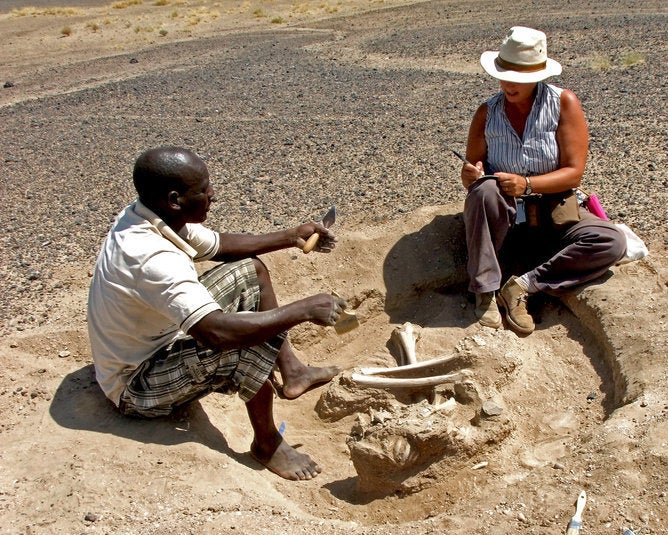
(400, 370)
(375, 381)
(405, 337)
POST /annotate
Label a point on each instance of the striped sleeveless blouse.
(537, 152)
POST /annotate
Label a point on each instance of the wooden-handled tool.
(327, 221)
(576, 522)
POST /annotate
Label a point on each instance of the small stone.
(134, 60)
(8, 84)
(489, 408)
(521, 517)
(591, 396)
(64, 354)
(558, 466)
(90, 517)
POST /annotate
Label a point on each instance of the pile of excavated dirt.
(296, 107)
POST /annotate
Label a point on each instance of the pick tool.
(327, 221)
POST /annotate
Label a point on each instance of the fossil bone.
(398, 370)
(375, 381)
(405, 337)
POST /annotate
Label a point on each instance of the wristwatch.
(528, 189)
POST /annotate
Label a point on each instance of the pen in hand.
(459, 155)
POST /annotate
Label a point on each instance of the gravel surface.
(359, 112)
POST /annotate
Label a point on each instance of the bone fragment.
(399, 382)
(405, 337)
(446, 407)
(398, 370)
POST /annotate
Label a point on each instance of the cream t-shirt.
(144, 293)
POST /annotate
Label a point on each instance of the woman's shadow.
(429, 260)
(80, 404)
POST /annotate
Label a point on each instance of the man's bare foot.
(286, 462)
(311, 376)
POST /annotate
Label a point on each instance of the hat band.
(509, 66)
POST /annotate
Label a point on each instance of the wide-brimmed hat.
(522, 58)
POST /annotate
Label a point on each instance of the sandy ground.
(583, 399)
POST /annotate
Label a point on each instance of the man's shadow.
(80, 404)
(431, 259)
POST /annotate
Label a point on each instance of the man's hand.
(325, 309)
(327, 240)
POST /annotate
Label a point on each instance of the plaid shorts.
(186, 370)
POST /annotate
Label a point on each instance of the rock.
(489, 408)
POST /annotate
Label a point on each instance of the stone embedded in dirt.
(489, 408)
(64, 354)
(8, 84)
(90, 517)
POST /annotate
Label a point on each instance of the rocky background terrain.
(296, 107)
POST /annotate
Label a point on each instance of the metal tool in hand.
(327, 221)
(347, 320)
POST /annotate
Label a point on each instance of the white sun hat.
(522, 58)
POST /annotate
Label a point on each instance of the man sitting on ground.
(161, 337)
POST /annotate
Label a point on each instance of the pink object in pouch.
(594, 206)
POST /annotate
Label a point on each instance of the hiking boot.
(486, 310)
(514, 299)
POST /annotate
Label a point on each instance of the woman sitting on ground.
(530, 138)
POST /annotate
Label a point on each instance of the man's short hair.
(163, 169)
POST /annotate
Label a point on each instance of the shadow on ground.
(79, 404)
(432, 259)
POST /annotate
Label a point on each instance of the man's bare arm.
(220, 330)
(238, 246)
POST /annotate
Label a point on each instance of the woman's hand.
(511, 184)
(471, 173)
